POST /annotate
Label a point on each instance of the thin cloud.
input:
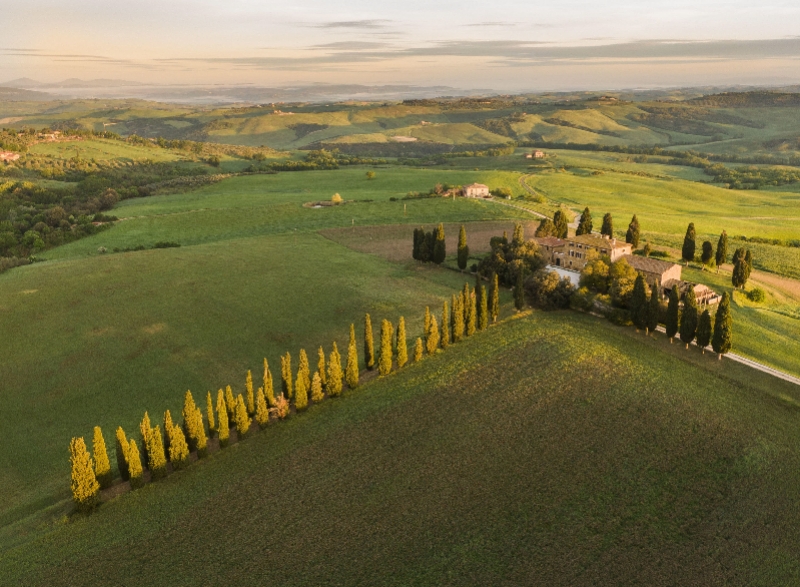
(351, 46)
(378, 23)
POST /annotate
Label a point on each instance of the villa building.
(476, 190)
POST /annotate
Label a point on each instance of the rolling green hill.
(553, 449)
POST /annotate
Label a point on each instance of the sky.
(504, 45)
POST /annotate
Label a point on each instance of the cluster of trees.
(559, 226)
(687, 321)
(172, 442)
(742, 257)
(511, 260)
(430, 246)
(316, 159)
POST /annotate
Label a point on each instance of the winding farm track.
(732, 356)
(755, 365)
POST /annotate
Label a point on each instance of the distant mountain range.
(216, 94)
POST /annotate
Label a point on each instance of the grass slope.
(108, 336)
(555, 449)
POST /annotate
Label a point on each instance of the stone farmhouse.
(476, 190)
(575, 251)
(535, 155)
(654, 270)
(704, 294)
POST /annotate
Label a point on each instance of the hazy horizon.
(507, 46)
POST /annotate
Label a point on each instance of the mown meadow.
(555, 448)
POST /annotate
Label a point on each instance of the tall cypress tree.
(483, 309)
(426, 323)
(201, 441)
(457, 316)
(157, 458)
(323, 372)
(472, 324)
(387, 352)
(722, 339)
(351, 368)
(722, 250)
(704, 330)
(673, 310)
(585, 224)
(179, 449)
(369, 344)
(466, 305)
(84, 485)
(144, 431)
(653, 309)
(102, 466)
(439, 249)
(287, 387)
(706, 253)
(418, 350)
(561, 224)
(134, 465)
(638, 304)
(230, 402)
(518, 238)
(608, 226)
(689, 244)
(445, 337)
(494, 298)
(748, 260)
(334, 372)
(634, 232)
(242, 420)
(419, 238)
(167, 430)
(463, 249)
(316, 388)
(251, 398)
(122, 454)
(478, 305)
(262, 411)
(269, 388)
(402, 343)
(519, 291)
(689, 317)
(300, 394)
(212, 424)
(432, 340)
(304, 369)
(222, 419)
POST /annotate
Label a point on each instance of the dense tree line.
(430, 247)
(173, 443)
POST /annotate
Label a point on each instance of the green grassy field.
(554, 449)
(109, 336)
(103, 150)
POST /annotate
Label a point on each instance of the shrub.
(84, 485)
(757, 295)
(281, 409)
(102, 466)
(582, 300)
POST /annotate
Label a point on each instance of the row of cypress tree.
(430, 246)
(170, 442)
(687, 322)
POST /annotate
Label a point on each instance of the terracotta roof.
(648, 264)
(599, 241)
(550, 241)
(476, 185)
